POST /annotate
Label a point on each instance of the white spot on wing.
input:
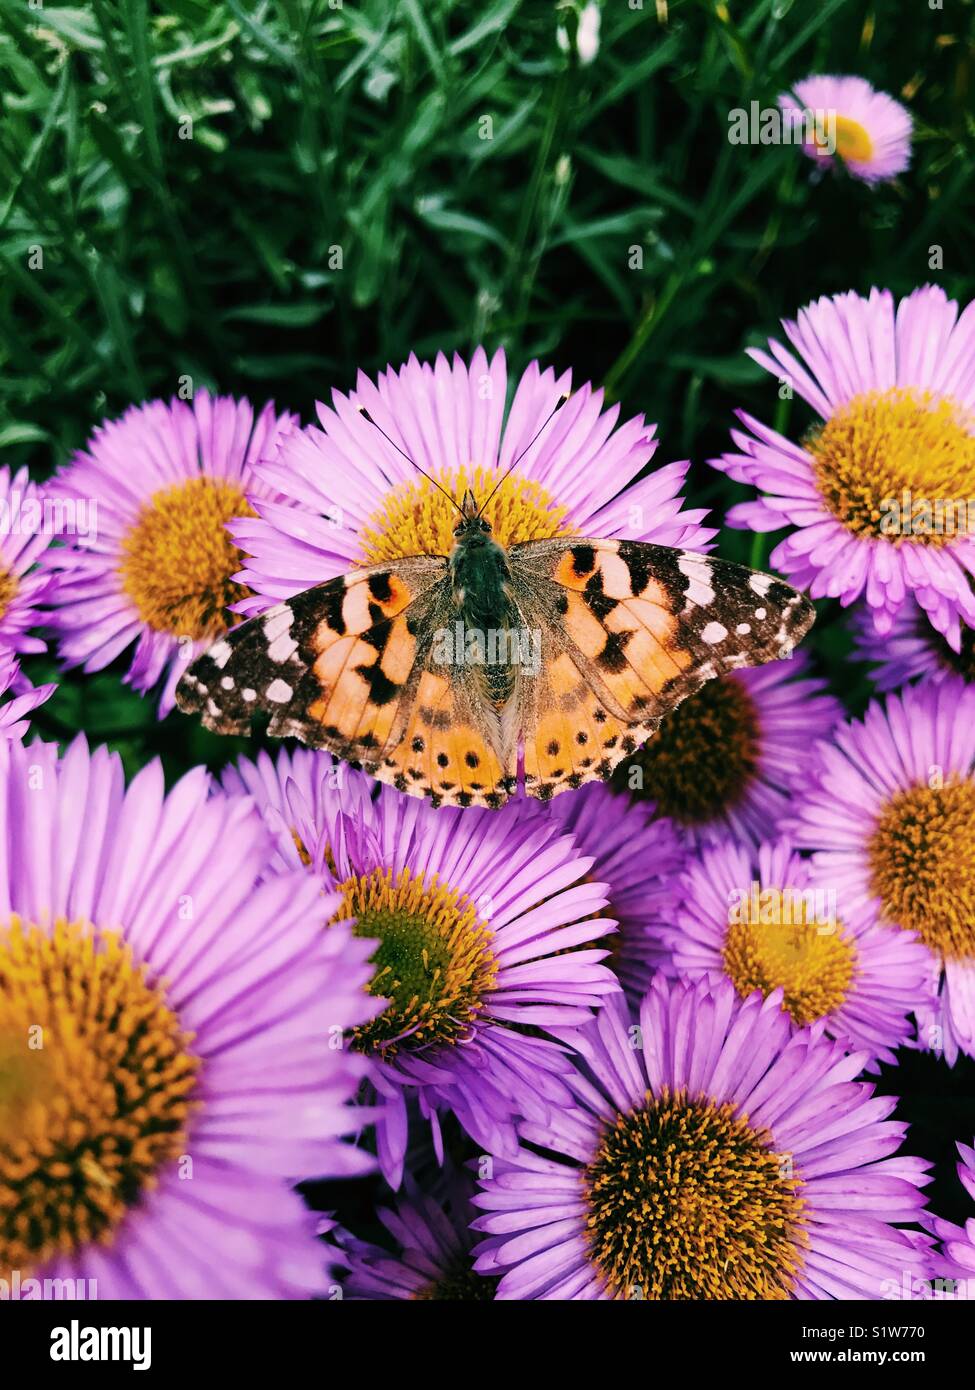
(760, 584)
(761, 614)
(248, 694)
(219, 654)
(714, 632)
(743, 629)
(282, 648)
(277, 621)
(279, 691)
(227, 682)
(696, 569)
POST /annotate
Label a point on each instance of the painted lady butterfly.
(456, 676)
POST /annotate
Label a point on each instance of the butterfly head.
(472, 527)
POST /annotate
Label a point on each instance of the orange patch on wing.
(615, 574)
(563, 678)
(400, 596)
(436, 752)
(345, 692)
(584, 628)
(568, 576)
(399, 653)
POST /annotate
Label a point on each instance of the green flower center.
(434, 961)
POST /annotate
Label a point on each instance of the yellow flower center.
(434, 961)
(922, 860)
(702, 759)
(898, 464)
(852, 141)
(178, 558)
(687, 1201)
(782, 944)
(95, 1087)
(416, 519)
(8, 590)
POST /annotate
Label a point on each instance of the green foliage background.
(359, 125)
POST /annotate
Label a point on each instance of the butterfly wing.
(347, 666)
(628, 631)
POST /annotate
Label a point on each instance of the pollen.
(703, 758)
(687, 1201)
(434, 961)
(96, 1085)
(812, 962)
(178, 559)
(922, 861)
(852, 141)
(417, 519)
(906, 447)
(8, 590)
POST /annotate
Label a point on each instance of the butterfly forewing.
(629, 631)
(329, 661)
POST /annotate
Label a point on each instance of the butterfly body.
(484, 611)
(458, 677)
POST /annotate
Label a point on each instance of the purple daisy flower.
(875, 489)
(758, 918)
(639, 856)
(353, 499)
(713, 1153)
(871, 131)
(158, 567)
(475, 913)
(731, 756)
(432, 1260)
(24, 588)
(163, 1018)
(889, 808)
(912, 648)
(956, 1260)
(23, 697)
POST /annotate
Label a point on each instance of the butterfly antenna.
(366, 416)
(555, 409)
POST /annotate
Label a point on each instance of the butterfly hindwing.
(628, 631)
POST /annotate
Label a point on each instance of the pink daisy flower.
(349, 497)
(489, 935)
(731, 757)
(18, 698)
(879, 489)
(25, 588)
(954, 1265)
(712, 1153)
(912, 648)
(163, 1006)
(639, 856)
(758, 918)
(871, 131)
(889, 809)
(159, 569)
(432, 1258)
